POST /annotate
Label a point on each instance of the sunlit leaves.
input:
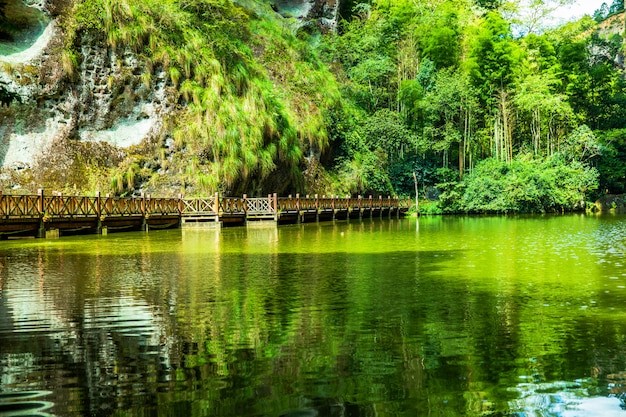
(527, 185)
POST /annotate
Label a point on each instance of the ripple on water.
(565, 399)
(24, 403)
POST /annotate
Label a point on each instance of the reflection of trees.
(198, 326)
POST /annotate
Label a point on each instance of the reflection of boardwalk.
(42, 215)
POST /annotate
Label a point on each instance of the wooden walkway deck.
(53, 215)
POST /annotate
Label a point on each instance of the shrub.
(525, 185)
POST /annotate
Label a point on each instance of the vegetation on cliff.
(252, 98)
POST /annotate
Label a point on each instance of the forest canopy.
(502, 114)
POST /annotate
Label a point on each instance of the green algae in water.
(20, 26)
(457, 316)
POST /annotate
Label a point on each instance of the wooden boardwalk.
(53, 215)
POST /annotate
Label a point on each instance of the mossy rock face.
(615, 202)
(20, 26)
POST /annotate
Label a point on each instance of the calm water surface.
(454, 316)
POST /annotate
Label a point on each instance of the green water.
(454, 316)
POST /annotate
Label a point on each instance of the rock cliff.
(69, 101)
(48, 98)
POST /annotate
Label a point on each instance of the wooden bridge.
(53, 215)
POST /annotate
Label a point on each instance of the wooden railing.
(232, 205)
(256, 206)
(20, 206)
(208, 205)
(61, 206)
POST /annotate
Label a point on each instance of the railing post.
(108, 204)
(360, 207)
(317, 209)
(299, 214)
(275, 206)
(98, 213)
(245, 205)
(40, 201)
(397, 203)
(41, 233)
(145, 204)
(142, 206)
(181, 205)
(380, 204)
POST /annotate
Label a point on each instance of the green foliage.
(441, 37)
(525, 186)
(429, 208)
(365, 174)
(385, 130)
(611, 164)
(581, 145)
(494, 57)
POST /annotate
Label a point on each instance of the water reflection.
(27, 403)
(463, 317)
(567, 400)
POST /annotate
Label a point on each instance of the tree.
(538, 101)
(493, 58)
(493, 64)
(610, 163)
(602, 13)
(616, 7)
(440, 38)
(533, 15)
(450, 107)
(489, 4)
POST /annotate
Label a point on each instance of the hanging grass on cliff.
(251, 97)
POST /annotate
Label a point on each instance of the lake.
(441, 316)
